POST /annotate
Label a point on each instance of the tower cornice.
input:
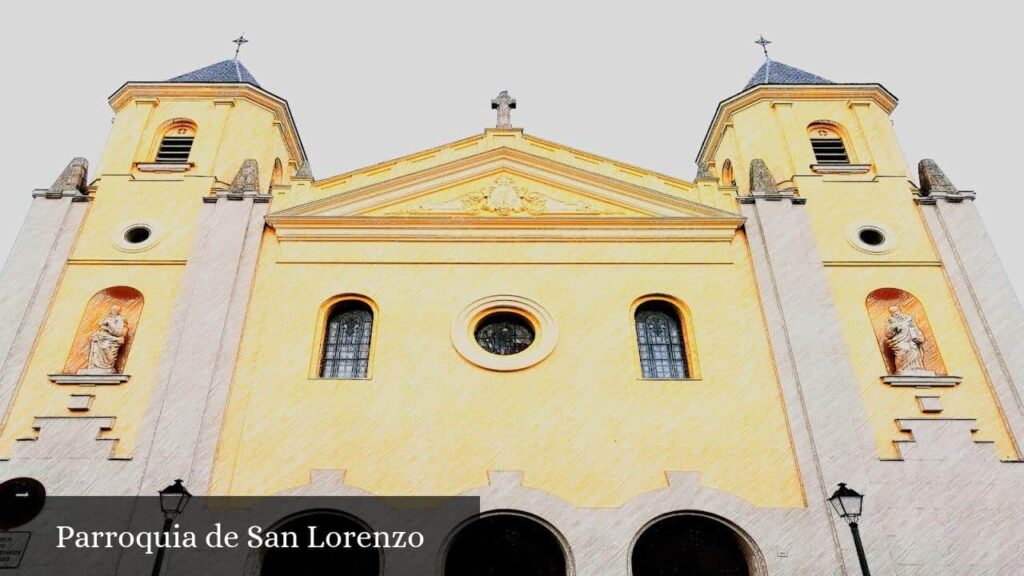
(726, 108)
(154, 91)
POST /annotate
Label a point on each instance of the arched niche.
(695, 544)
(277, 176)
(728, 176)
(878, 305)
(304, 561)
(506, 543)
(130, 302)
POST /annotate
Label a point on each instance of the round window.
(137, 234)
(504, 333)
(871, 236)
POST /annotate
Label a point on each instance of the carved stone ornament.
(705, 171)
(305, 172)
(247, 180)
(503, 198)
(72, 179)
(761, 180)
(905, 341)
(105, 344)
(933, 179)
(504, 104)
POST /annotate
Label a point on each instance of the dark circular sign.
(21, 499)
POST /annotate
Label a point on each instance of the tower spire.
(238, 44)
(763, 43)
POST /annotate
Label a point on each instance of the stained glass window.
(347, 341)
(659, 335)
(504, 333)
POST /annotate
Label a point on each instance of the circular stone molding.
(465, 324)
(871, 237)
(137, 236)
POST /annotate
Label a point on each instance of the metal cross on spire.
(504, 104)
(763, 43)
(238, 42)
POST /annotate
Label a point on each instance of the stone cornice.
(726, 108)
(152, 92)
(511, 229)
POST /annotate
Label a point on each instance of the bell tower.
(807, 130)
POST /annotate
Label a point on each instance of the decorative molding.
(929, 404)
(753, 198)
(503, 197)
(922, 381)
(934, 197)
(840, 168)
(89, 379)
(80, 402)
(164, 166)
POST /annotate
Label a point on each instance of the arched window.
(346, 352)
(659, 335)
(176, 143)
(827, 144)
(505, 544)
(728, 177)
(297, 554)
(694, 544)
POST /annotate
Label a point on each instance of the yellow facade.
(581, 424)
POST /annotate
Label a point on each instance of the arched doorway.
(300, 561)
(692, 544)
(505, 544)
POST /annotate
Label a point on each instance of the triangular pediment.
(503, 188)
(504, 182)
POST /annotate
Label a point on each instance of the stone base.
(931, 381)
(89, 379)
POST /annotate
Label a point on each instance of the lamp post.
(173, 500)
(847, 503)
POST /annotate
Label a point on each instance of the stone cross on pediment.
(504, 104)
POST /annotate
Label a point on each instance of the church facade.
(651, 373)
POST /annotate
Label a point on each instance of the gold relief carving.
(503, 197)
(106, 332)
(903, 334)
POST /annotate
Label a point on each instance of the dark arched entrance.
(690, 545)
(354, 561)
(505, 545)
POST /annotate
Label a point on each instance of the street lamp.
(848, 503)
(173, 500)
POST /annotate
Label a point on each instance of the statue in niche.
(904, 340)
(105, 344)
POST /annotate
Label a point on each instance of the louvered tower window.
(347, 341)
(659, 335)
(827, 145)
(176, 145)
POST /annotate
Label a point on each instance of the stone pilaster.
(983, 290)
(831, 437)
(33, 270)
(182, 425)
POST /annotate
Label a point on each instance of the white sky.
(637, 82)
